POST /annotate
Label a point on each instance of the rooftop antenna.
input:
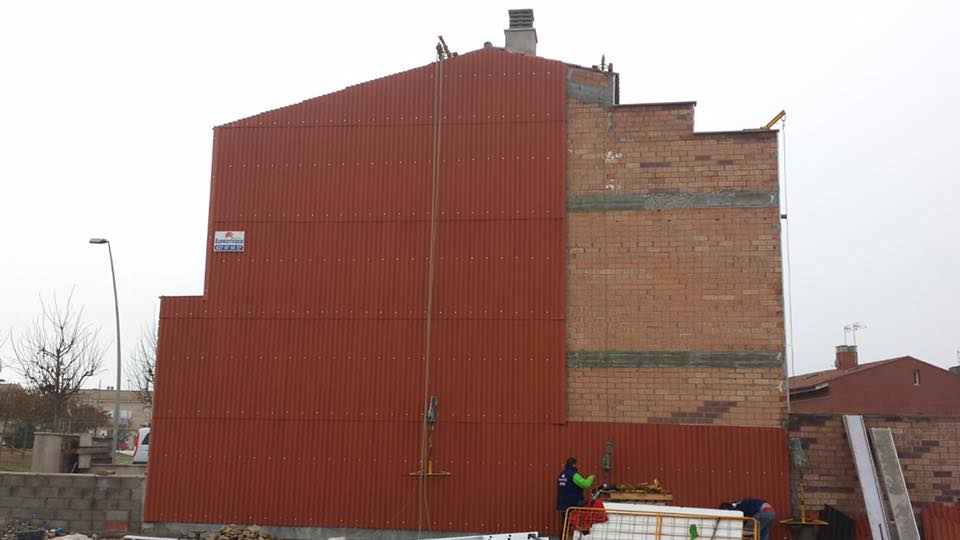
(852, 329)
(603, 66)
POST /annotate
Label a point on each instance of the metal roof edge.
(656, 104)
(808, 389)
(238, 122)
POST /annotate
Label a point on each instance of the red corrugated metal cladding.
(292, 391)
(941, 522)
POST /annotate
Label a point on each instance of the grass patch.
(15, 460)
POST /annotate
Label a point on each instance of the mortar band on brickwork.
(672, 201)
(659, 105)
(661, 359)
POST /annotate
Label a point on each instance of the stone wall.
(82, 503)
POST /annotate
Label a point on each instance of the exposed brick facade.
(700, 279)
(739, 397)
(663, 256)
(651, 148)
(928, 447)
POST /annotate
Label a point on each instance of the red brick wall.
(692, 277)
(928, 447)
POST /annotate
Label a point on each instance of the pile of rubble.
(17, 530)
(10, 527)
(233, 532)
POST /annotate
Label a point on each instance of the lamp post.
(116, 308)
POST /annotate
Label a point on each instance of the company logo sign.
(227, 241)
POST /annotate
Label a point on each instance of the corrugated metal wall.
(941, 522)
(292, 391)
(354, 473)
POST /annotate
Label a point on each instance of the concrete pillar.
(51, 452)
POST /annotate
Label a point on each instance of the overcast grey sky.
(107, 110)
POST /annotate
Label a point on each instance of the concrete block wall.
(77, 502)
(928, 448)
(674, 291)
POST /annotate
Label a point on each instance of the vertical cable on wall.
(422, 511)
(786, 250)
(789, 365)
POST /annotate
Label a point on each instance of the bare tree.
(3, 341)
(57, 355)
(143, 366)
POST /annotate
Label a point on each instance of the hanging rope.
(422, 508)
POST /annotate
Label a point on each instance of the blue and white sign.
(227, 241)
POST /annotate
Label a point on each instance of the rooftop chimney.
(846, 357)
(521, 36)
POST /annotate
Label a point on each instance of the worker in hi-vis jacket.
(570, 486)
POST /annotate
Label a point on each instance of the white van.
(141, 445)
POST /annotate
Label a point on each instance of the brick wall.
(673, 247)
(740, 397)
(704, 279)
(928, 448)
(650, 148)
(82, 503)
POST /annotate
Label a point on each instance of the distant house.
(897, 386)
(134, 413)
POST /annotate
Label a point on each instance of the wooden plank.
(636, 497)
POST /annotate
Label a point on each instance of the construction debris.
(644, 492)
(643, 487)
(234, 532)
(10, 527)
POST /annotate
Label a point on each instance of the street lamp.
(116, 307)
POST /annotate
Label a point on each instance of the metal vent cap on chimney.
(521, 36)
(521, 18)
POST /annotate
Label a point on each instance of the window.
(916, 377)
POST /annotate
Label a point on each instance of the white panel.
(869, 484)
